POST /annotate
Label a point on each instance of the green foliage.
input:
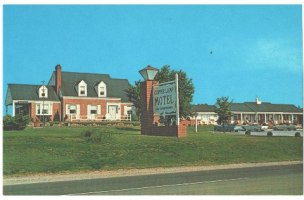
(185, 88)
(62, 149)
(17, 122)
(134, 118)
(133, 96)
(96, 136)
(223, 109)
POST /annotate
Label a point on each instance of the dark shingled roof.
(268, 107)
(240, 107)
(115, 87)
(203, 108)
(252, 107)
(30, 92)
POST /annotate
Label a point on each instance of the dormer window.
(43, 92)
(82, 88)
(101, 89)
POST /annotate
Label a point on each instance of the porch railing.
(79, 118)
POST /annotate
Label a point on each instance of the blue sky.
(257, 50)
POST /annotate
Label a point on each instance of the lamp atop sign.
(148, 73)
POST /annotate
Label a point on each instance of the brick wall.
(85, 102)
(33, 111)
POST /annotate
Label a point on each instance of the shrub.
(93, 135)
(134, 117)
(247, 132)
(18, 122)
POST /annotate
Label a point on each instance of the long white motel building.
(257, 112)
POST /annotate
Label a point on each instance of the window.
(101, 91)
(82, 90)
(72, 109)
(93, 110)
(46, 110)
(43, 92)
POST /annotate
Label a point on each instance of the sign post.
(177, 100)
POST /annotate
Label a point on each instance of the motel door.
(112, 112)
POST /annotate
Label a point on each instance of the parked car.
(284, 127)
(228, 128)
(253, 128)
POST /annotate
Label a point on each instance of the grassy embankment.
(66, 149)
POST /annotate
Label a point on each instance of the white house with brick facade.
(72, 96)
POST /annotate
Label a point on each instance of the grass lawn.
(59, 149)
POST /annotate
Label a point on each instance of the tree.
(223, 109)
(165, 74)
(133, 96)
(185, 88)
(18, 122)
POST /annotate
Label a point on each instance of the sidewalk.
(69, 176)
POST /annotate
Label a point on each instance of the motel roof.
(252, 107)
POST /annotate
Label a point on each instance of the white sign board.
(164, 99)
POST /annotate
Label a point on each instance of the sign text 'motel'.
(164, 98)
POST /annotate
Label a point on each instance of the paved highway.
(282, 180)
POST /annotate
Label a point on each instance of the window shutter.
(67, 111)
(78, 109)
(88, 110)
(99, 109)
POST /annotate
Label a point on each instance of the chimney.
(57, 78)
(258, 101)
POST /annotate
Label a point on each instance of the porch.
(96, 117)
(267, 118)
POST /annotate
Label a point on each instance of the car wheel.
(269, 133)
(298, 134)
(247, 132)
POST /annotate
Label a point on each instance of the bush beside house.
(17, 122)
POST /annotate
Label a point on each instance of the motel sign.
(165, 99)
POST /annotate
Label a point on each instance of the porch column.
(265, 118)
(13, 109)
(241, 118)
(282, 120)
(256, 118)
(292, 118)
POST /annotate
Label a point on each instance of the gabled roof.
(115, 87)
(240, 107)
(203, 108)
(252, 107)
(269, 107)
(30, 92)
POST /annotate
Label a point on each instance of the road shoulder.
(69, 176)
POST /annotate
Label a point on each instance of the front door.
(112, 112)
